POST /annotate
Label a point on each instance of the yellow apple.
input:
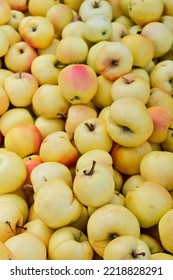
(5, 42)
(11, 178)
(116, 8)
(78, 83)
(148, 202)
(141, 48)
(126, 20)
(63, 207)
(73, 4)
(19, 57)
(40, 8)
(127, 159)
(27, 246)
(153, 244)
(156, 166)
(51, 49)
(4, 73)
(165, 227)
(15, 116)
(124, 122)
(12, 35)
(82, 220)
(124, 4)
(167, 144)
(5, 253)
(5, 12)
(92, 54)
(20, 88)
(119, 30)
(126, 247)
(49, 125)
(4, 101)
(161, 256)
(113, 60)
(108, 222)
(21, 5)
(67, 240)
(168, 7)
(15, 18)
(131, 182)
(131, 85)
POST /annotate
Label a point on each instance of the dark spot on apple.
(104, 33)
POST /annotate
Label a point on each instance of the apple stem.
(170, 128)
(90, 126)
(9, 224)
(22, 227)
(96, 4)
(63, 116)
(135, 255)
(91, 171)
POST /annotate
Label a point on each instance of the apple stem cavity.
(128, 81)
(96, 5)
(135, 255)
(9, 224)
(91, 171)
(90, 126)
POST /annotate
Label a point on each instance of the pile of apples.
(86, 129)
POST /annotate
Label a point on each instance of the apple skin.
(40, 8)
(4, 101)
(30, 139)
(78, 83)
(5, 252)
(5, 46)
(58, 147)
(108, 222)
(162, 119)
(19, 57)
(161, 256)
(12, 35)
(21, 5)
(148, 202)
(123, 126)
(165, 227)
(153, 244)
(167, 144)
(15, 18)
(67, 240)
(113, 60)
(127, 159)
(126, 248)
(5, 12)
(92, 54)
(156, 166)
(31, 162)
(49, 125)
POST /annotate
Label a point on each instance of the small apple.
(78, 83)
(19, 57)
(153, 244)
(63, 206)
(92, 54)
(113, 60)
(127, 247)
(161, 256)
(23, 139)
(131, 182)
(119, 30)
(12, 35)
(21, 5)
(20, 88)
(67, 240)
(15, 18)
(124, 127)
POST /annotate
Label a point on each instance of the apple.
(31, 215)
(78, 83)
(5, 42)
(97, 28)
(38, 32)
(40, 8)
(23, 139)
(156, 166)
(167, 144)
(135, 29)
(19, 57)
(11, 178)
(73, 4)
(168, 7)
(160, 97)
(124, 4)
(67, 240)
(148, 202)
(49, 125)
(95, 7)
(116, 8)
(27, 246)
(161, 76)
(126, 20)
(124, 122)
(5, 253)
(75, 28)
(4, 73)
(144, 73)
(92, 134)
(12, 35)
(103, 97)
(126, 247)
(113, 60)
(153, 244)
(141, 48)
(104, 113)
(10, 218)
(15, 18)
(108, 222)
(21, 5)
(49, 170)
(58, 147)
(4, 101)
(40, 229)
(92, 54)
(165, 226)
(81, 222)
(51, 66)
(49, 102)
(5, 12)
(142, 12)
(76, 114)
(51, 49)
(161, 256)
(77, 53)
(14, 116)
(119, 30)
(20, 88)
(59, 15)
(131, 85)
(160, 36)
(63, 207)
(88, 183)
(31, 162)
(162, 119)
(168, 21)
(131, 182)
(127, 159)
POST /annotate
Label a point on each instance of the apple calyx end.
(91, 171)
